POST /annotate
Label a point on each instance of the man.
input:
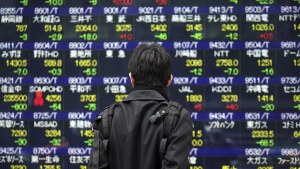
(137, 130)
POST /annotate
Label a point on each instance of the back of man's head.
(150, 65)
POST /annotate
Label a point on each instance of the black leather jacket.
(134, 141)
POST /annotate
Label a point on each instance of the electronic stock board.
(236, 67)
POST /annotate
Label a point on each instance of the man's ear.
(131, 79)
(170, 80)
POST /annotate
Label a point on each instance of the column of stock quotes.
(236, 67)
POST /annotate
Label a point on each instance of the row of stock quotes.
(236, 67)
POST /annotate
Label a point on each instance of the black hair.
(150, 65)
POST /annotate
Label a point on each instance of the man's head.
(150, 65)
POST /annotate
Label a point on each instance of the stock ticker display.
(236, 67)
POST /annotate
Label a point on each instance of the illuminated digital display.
(236, 67)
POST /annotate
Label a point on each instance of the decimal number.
(227, 62)
(53, 28)
(86, 63)
(262, 134)
(16, 63)
(86, 28)
(53, 63)
(263, 27)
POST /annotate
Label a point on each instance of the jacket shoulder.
(110, 110)
(184, 113)
(182, 110)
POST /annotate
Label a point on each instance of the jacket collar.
(144, 95)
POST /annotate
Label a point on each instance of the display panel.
(236, 67)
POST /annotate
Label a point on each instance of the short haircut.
(150, 65)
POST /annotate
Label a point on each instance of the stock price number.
(52, 133)
(18, 167)
(194, 98)
(296, 62)
(265, 98)
(86, 63)
(50, 166)
(16, 63)
(197, 140)
(18, 133)
(53, 63)
(263, 134)
(229, 98)
(15, 98)
(53, 28)
(86, 133)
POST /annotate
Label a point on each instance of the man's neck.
(162, 91)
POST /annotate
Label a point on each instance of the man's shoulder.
(184, 113)
(113, 107)
(179, 106)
